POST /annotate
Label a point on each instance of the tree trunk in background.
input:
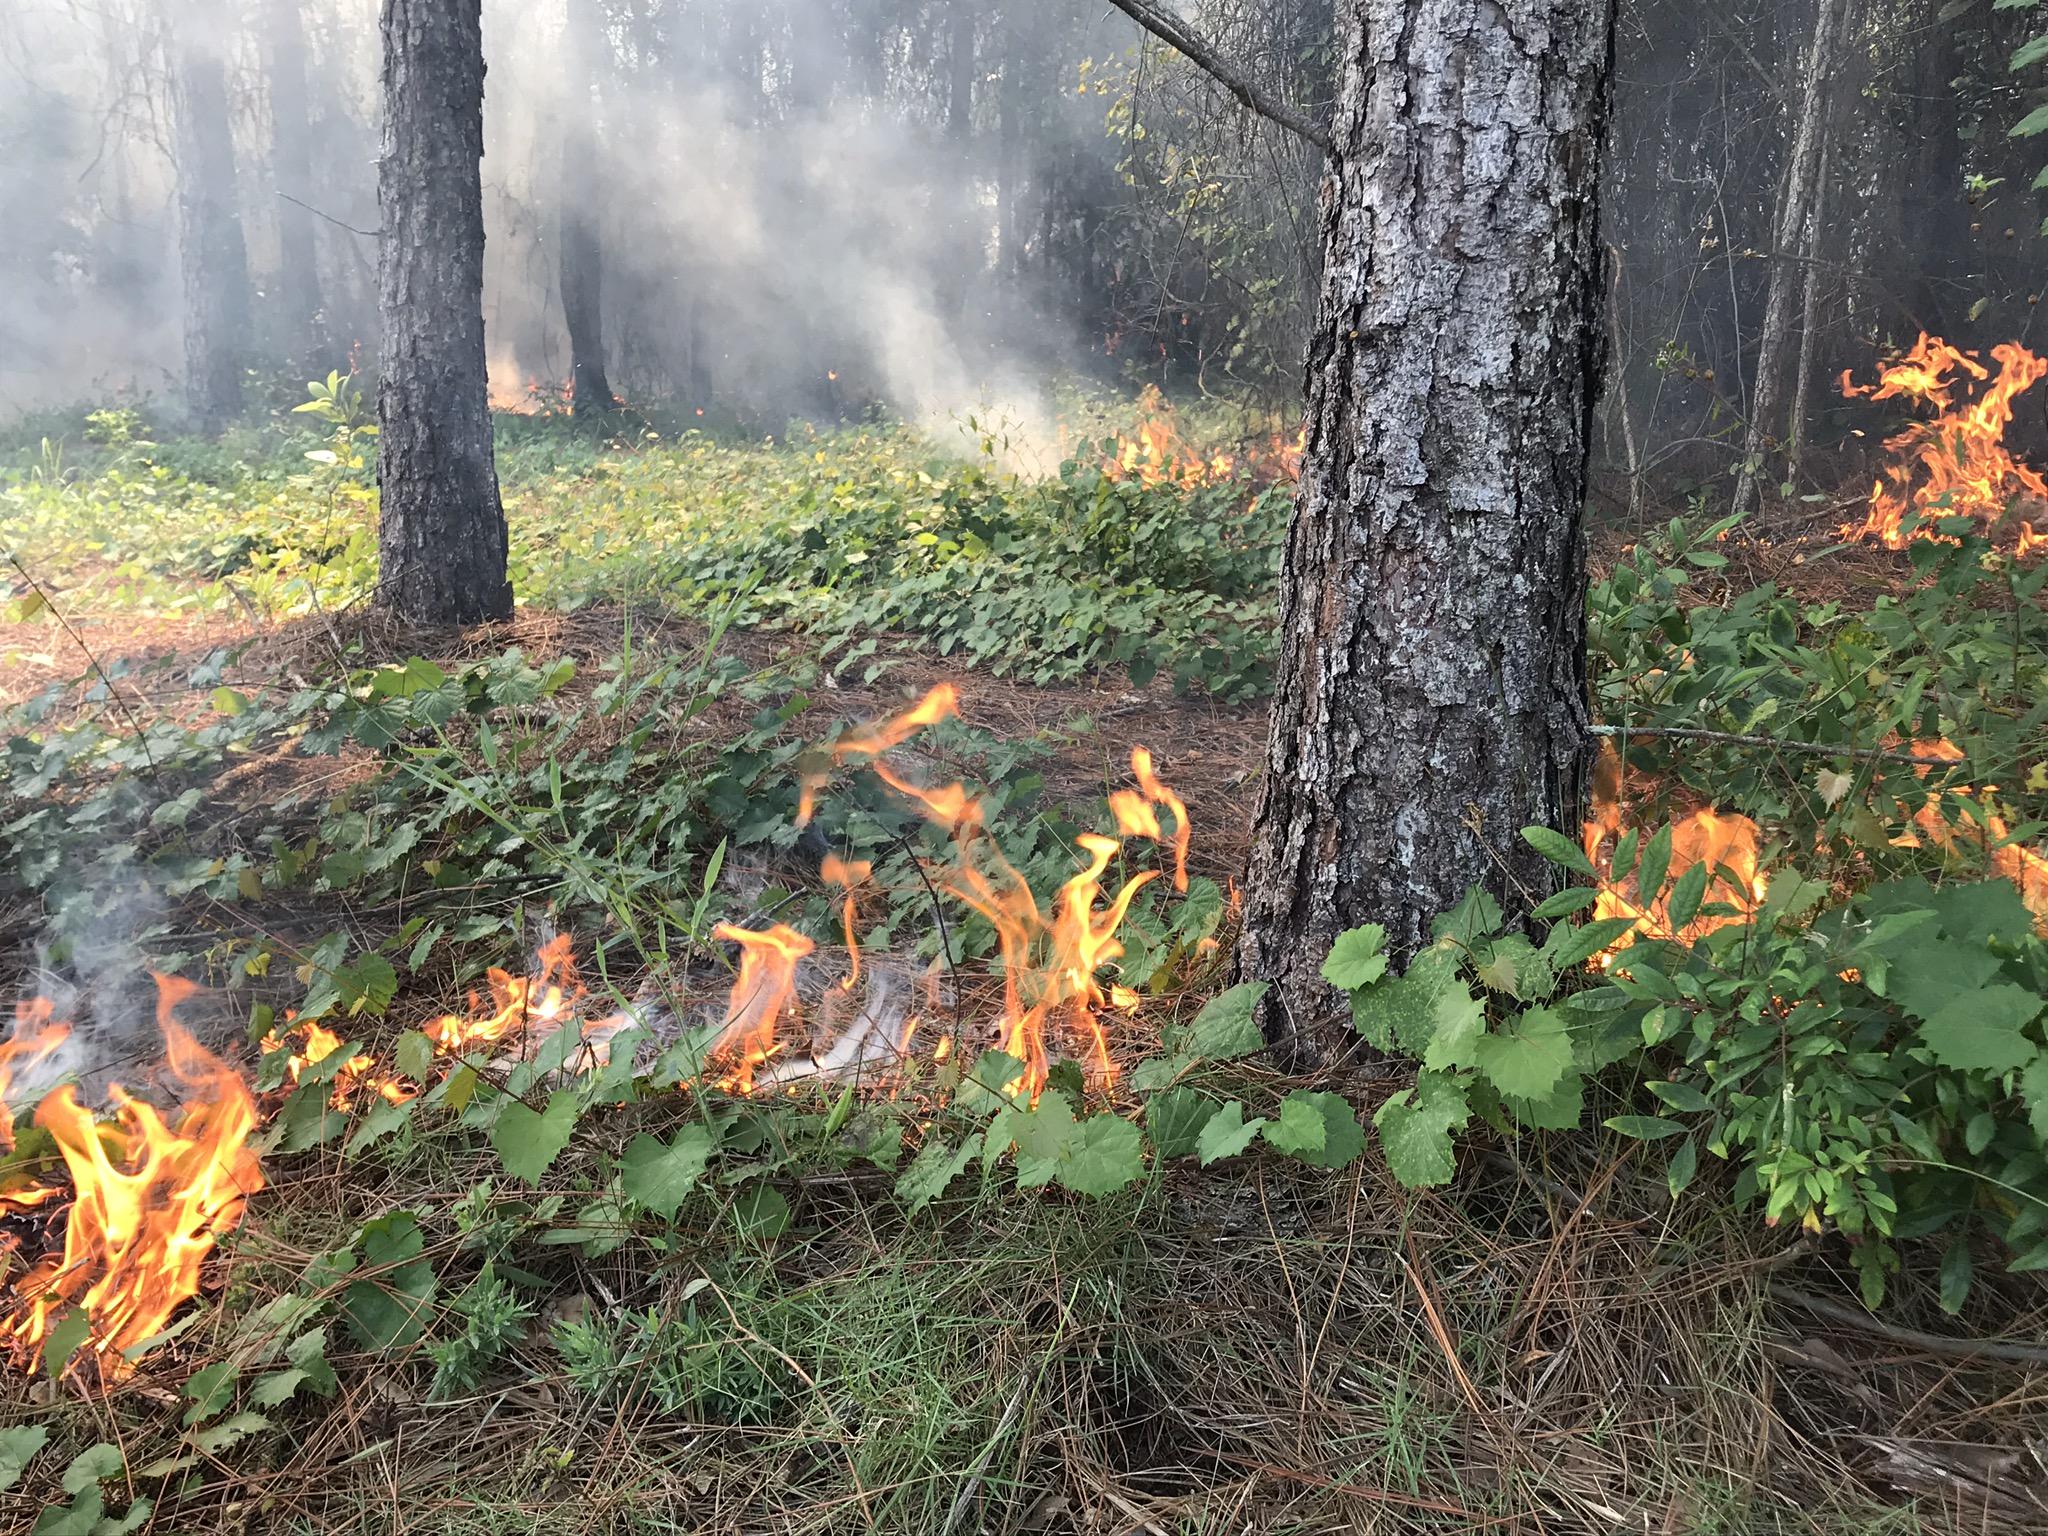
(441, 528)
(291, 165)
(1432, 695)
(1790, 229)
(214, 260)
(1809, 322)
(960, 70)
(582, 254)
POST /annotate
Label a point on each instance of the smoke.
(797, 217)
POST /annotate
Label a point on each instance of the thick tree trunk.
(214, 259)
(1802, 181)
(441, 528)
(1432, 696)
(582, 254)
(291, 164)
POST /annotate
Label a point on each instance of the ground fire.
(1955, 462)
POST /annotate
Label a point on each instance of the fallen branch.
(1777, 743)
(1913, 1338)
(1197, 50)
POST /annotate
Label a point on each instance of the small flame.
(150, 1201)
(849, 873)
(1160, 456)
(765, 989)
(34, 1040)
(2026, 869)
(517, 1002)
(1955, 463)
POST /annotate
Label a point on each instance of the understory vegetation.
(1552, 1253)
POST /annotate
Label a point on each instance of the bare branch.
(1178, 35)
(1776, 743)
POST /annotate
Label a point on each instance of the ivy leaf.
(527, 1141)
(1559, 849)
(1415, 1129)
(659, 1175)
(1225, 1029)
(1175, 1119)
(1983, 1030)
(1530, 1059)
(1357, 959)
(1227, 1134)
(935, 1166)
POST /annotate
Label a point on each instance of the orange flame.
(1726, 842)
(316, 1045)
(849, 873)
(2026, 869)
(1160, 456)
(765, 989)
(548, 997)
(150, 1201)
(1955, 462)
(33, 1041)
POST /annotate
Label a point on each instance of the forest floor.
(812, 1337)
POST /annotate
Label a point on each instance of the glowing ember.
(150, 1201)
(1955, 463)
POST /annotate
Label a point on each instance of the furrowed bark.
(441, 528)
(1432, 695)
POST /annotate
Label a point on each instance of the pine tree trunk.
(291, 164)
(441, 528)
(582, 254)
(1802, 181)
(1432, 695)
(211, 252)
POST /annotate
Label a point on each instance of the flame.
(316, 1044)
(150, 1201)
(1050, 963)
(34, 1040)
(550, 995)
(1728, 843)
(1160, 456)
(2026, 869)
(1955, 462)
(850, 874)
(765, 989)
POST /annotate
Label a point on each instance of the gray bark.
(211, 252)
(441, 528)
(582, 253)
(1432, 696)
(1802, 181)
(291, 163)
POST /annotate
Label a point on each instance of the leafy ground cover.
(1591, 1253)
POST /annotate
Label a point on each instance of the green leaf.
(1407, 1014)
(18, 1447)
(1415, 1129)
(64, 1339)
(1559, 1110)
(1357, 959)
(1573, 898)
(1227, 1133)
(1683, 1096)
(414, 1056)
(2034, 1089)
(1956, 1273)
(2034, 122)
(1341, 1139)
(1225, 1029)
(1683, 1167)
(1530, 1058)
(1567, 947)
(1458, 1020)
(1655, 862)
(761, 1213)
(388, 1309)
(95, 1464)
(209, 1390)
(1175, 1119)
(365, 984)
(1983, 1030)
(660, 1175)
(528, 1143)
(988, 1085)
(1687, 892)
(1090, 1157)
(1475, 916)
(1644, 1127)
(1559, 849)
(1298, 1129)
(935, 1166)
(308, 1354)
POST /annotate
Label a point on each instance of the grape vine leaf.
(1357, 959)
(528, 1141)
(1530, 1058)
(659, 1175)
(1983, 1030)
(1227, 1134)
(1298, 1128)
(935, 1166)
(1225, 1029)
(1342, 1138)
(1415, 1129)
(1175, 1119)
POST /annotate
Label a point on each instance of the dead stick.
(1930, 1343)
